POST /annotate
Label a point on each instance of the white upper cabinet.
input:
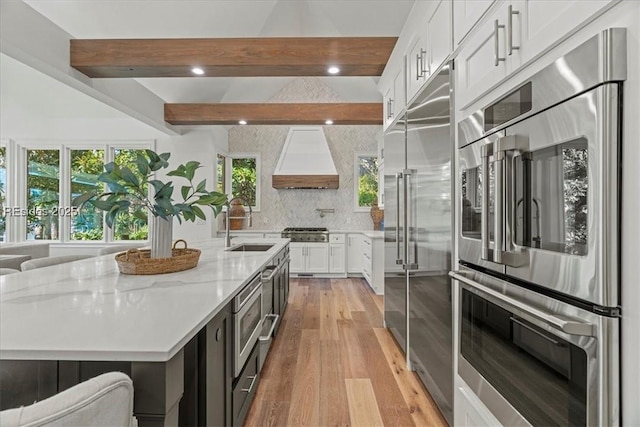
(439, 36)
(417, 66)
(394, 95)
(544, 23)
(425, 42)
(430, 46)
(466, 14)
(482, 62)
(514, 33)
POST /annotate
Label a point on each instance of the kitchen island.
(75, 320)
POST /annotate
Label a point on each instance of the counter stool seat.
(52, 260)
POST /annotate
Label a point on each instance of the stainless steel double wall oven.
(538, 242)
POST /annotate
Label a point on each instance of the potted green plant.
(129, 192)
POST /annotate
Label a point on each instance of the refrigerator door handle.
(399, 260)
(408, 173)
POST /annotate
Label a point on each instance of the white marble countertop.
(87, 310)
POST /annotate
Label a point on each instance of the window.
(366, 181)
(221, 174)
(86, 165)
(3, 192)
(245, 178)
(48, 177)
(43, 194)
(133, 225)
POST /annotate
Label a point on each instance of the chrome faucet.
(227, 236)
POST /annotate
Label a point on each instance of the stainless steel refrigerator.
(418, 223)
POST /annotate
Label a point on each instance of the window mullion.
(64, 198)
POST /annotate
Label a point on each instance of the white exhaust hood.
(305, 161)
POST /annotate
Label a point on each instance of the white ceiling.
(231, 18)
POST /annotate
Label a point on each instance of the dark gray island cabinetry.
(171, 333)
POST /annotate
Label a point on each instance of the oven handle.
(274, 271)
(487, 151)
(516, 144)
(570, 327)
(275, 318)
(530, 329)
(239, 301)
(498, 205)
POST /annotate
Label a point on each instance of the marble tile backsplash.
(297, 208)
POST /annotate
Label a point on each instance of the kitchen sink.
(250, 248)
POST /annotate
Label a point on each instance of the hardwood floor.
(334, 364)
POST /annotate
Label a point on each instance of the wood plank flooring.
(334, 364)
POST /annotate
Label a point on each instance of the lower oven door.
(533, 360)
(247, 323)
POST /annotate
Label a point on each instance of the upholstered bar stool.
(102, 401)
(52, 260)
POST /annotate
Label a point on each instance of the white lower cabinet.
(373, 263)
(309, 257)
(337, 258)
(297, 257)
(354, 253)
(469, 411)
(337, 254)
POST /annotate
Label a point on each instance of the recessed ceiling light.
(197, 70)
(242, 122)
(333, 70)
(328, 122)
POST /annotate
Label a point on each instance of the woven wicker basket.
(136, 261)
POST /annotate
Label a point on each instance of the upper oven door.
(560, 185)
(476, 241)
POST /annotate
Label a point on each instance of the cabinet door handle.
(510, 30)
(423, 62)
(496, 29)
(390, 108)
(218, 334)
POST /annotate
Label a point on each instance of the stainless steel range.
(306, 234)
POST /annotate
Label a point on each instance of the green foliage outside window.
(86, 165)
(43, 187)
(221, 173)
(367, 180)
(244, 179)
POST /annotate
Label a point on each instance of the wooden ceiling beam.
(274, 114)
(232, 57)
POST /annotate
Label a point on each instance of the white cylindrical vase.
(161, 236)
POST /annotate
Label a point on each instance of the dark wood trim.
(232, 57)
(305, 181)
(274, 114)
